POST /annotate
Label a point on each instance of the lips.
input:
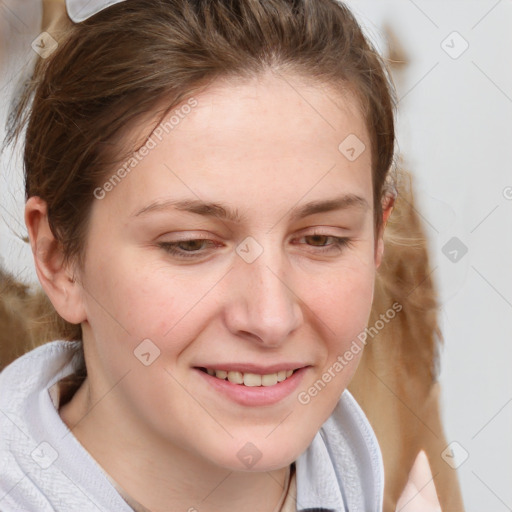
(250, 379)
(253, 385)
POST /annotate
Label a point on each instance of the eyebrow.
(211, 209)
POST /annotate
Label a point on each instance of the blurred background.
(455, 136)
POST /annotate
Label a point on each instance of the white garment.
(43, 467)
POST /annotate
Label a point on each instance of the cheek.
(344, 301)
(124, 290)
(342, 307)
(131, 299)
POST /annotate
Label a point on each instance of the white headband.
(80, 10)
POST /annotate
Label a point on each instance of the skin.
(263, 148)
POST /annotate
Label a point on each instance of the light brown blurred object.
(27, 319)
(52, 12)
(397, 57)
(396, 381)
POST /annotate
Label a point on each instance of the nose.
(263, 305)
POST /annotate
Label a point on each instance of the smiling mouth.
(250, 379)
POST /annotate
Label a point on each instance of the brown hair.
(122, 63)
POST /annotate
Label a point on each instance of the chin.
(261, 455)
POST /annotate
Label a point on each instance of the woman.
(207, 188)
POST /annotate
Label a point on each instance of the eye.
(192, 248)
(326, 243)
(199, 247)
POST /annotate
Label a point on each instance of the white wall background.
(455, 132)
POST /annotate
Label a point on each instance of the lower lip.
(255, 395)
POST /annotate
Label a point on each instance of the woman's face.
(241, 241)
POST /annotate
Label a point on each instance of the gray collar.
(342, 469)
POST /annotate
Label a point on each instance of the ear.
(387, 208)
(56, 278)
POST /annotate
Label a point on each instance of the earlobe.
(55, 276)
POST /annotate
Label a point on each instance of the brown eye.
(191, 245)
(326, 243)
(195, 247)
(318, 240)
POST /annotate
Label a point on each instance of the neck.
(159, 475)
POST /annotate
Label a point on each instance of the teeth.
(269, 380)
(281, 375)
(236, 377)
(251, 379)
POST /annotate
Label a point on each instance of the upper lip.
(253, 368)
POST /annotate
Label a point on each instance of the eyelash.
(173, 249)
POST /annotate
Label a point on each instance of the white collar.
(340, 471)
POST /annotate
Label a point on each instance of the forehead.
(273, 134)
(273, 107)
